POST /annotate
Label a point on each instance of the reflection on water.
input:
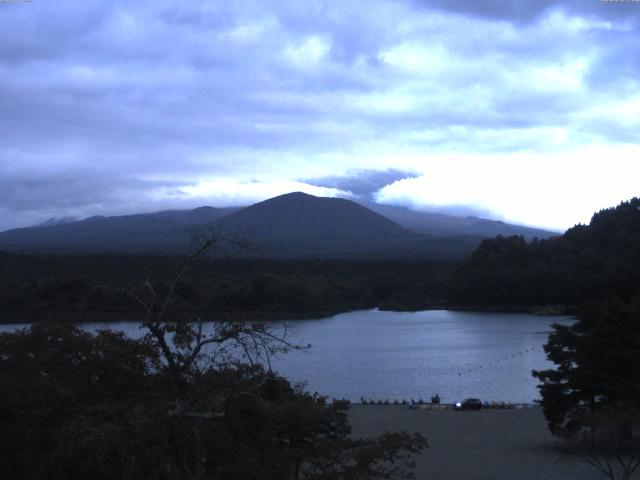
(400, 355)
(404, 355)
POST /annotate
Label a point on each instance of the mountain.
(56, 221)
(294, 225)
(303, 222)
(301, 225)
(160, 232)
(441, 225)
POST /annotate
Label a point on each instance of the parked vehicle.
(468, 404)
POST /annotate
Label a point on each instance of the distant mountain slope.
(298, 217)
(442, 225)
(294, 225)
(53, 221)
(159, 232)
(297, 224)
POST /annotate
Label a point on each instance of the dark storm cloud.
(530, 10)
(519, 10)
(362, 183)
(77, 189)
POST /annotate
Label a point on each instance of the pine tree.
(598, 360)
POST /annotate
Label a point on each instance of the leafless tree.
(187, 345)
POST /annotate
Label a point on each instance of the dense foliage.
(75, 405)
(64, 288)
(181, 402)
(597, 362)
(598, 261)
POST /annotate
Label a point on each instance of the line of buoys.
(386, 401)
(422, 404)
(514, 355)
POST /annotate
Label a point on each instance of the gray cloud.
(81, 192)
(530, 10)
(510, 10)
(107, 103)
(362, 183)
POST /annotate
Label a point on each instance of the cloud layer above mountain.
(529, 110)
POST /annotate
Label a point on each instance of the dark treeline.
(595, 384)
(589, 262)
(69, 288)
(595, 268)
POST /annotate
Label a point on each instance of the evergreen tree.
(597, 362)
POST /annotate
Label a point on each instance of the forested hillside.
(589, 262)
(68, 287)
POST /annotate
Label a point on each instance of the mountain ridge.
(295, 225)
(439, 224)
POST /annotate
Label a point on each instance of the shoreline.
(426, 406)
(538, 310)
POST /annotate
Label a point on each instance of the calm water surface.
(400, 355)
(404, 355)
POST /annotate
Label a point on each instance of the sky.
(524, 111)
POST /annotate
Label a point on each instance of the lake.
(404, 355)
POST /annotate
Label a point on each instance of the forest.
(166, 404)
(588, 262)
(40, 288)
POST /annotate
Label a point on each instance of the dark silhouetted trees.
(183, 402)
(598, 261)
(597, 362)
(62, 288)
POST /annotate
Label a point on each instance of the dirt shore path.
(486, 445)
